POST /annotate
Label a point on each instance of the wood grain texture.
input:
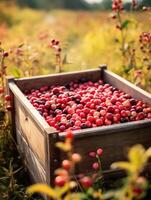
(62, 78)
(33, 135)
(31, 162)
(115, 144)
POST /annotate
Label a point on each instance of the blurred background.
(86, 30)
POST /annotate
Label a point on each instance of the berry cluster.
(85, 104)
(117, 5)
(55, 45)
(145, 40)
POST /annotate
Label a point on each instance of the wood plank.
(62, 78)
(126, 86)
(30, 160)
(32, 134)
(115, 144)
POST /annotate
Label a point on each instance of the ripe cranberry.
(66, 164)
(69, 135)
(7, 97)
(123, 113)
(96, 166)
(60, 181)
(55, 91)
(103, 112)
(141, 115)
(109, 116)
(76, 157)
(99, 152)
(5, 54)
(86, 182)
(90, 119)
(92, 154)
(99, 122)
(88, 124)
(62, 128)
(107, 122)
(111, 109)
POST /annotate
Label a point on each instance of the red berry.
(109, 116)
(5, 54)
(99, 122)
(7, 97)
(99, 152)
(92, 154)
(86, 182)
(60, 181)
(69, 135)
(66, 164)
(96, 166)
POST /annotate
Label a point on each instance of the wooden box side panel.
(114, 144)
(29, 130)
(126, 86)
(34, 167)
(63, 78)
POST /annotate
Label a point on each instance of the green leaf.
(125, 24)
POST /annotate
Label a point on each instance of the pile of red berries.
(85, 104)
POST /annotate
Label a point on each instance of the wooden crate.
(36, 139)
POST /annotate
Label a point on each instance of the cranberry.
(109, 116)
(7, 97)
(96, 166)
(60, 181)
(66, 164)
(99, 152)
(92, 154)
(99, 122)
(86, 182)
(5, 54)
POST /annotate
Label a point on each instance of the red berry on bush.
(60, 181)
(7, 98)
(92, 154)
(66, 164)
(86, 182)
(96, 166)
(5, 54)
(99, 152)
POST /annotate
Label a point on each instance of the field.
(85, 40)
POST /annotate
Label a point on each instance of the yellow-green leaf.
(64, 146)
(123, 165)
(137, 155)
(41, 188)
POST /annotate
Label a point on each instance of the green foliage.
(47, 4)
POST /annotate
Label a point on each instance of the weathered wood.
(126, 86)
(33, 135)
(31, 162)
(114, 141)
(62, 78)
